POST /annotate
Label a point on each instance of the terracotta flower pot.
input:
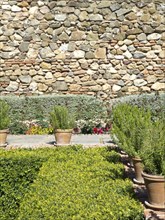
(137, 164)
(155, 186)
(3, 137)
(63, 137)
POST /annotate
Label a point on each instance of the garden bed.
(66, 183)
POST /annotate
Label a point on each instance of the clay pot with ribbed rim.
(138, 167)
(3, 137)
(155, 186)
(63, 136)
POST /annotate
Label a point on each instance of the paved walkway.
(35, 141)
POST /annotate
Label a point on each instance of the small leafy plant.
(4, 117)
(60, 118)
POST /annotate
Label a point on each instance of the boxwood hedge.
(18, 169)
(73, 183)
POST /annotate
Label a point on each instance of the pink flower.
(100, 131)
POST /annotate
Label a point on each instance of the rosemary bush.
(153, 150)
(4, 115)
(130, 124)
(60, 118)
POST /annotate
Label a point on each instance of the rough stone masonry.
(96, 47)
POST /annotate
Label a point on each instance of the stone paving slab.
(36, 141)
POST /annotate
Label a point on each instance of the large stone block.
(100, 53)
(60, 86)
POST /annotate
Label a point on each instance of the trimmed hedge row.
(18, 169)
(37, 107)
(154, 102)
(81, 184)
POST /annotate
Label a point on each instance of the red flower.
(95, 130)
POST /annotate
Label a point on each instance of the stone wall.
(95, 47)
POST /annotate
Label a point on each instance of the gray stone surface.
(13, 86)
(25, 79)
(60, 85)
(36, 141)
(102, 48)
(24, 46)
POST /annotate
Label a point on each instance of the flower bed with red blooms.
(100, 130)
(82, 126)
(98, 126)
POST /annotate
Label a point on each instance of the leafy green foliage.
(39, 107)
(130, 124)
(4, 117)
(155, 102)
(60, 118)
(18, 127)
(18, 169)
(35, 129)
(80, 184)
(153, 150)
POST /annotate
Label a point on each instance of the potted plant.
(4, 122)
(129, 125)
(62, 123)
(153, 156)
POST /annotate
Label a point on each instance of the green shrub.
(4, 115)
(152, 152)
(79, 184)
(39, 107)
(65, 183)
(18, 169)
(60, 118)
(111, 155)
(36, 129)
(154, 102)
(130, 124)
(18, 127)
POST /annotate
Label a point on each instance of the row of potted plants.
(143, 139)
